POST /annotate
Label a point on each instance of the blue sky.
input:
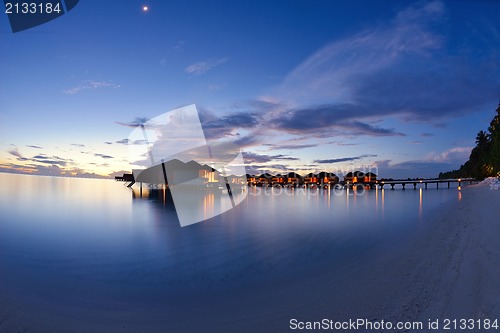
(401, 86)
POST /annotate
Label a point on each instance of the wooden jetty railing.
(425, 182)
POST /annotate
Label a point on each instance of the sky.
(399, 87)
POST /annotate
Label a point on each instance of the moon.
(145, 8)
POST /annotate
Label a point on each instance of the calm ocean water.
(71, 246)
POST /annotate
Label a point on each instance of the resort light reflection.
(329, 198)
(420, 204)
(383, 201)
(208, 205)
(347, 197)
(164, 195)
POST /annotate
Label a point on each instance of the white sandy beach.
(448, 269)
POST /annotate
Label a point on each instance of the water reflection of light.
(420, 204)
(383, 201)
(329, 198)
(354, 195)
(459, 194)
(347, 197)
(164, 195)
(140, 193)
(208, 205)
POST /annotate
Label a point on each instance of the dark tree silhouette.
(482, 138)
(484, 159)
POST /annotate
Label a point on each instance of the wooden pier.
(424, 182)
(127, 177)
(320, 183)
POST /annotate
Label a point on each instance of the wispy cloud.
(429, 166)
(329, 73)
(40, 158)
(103, 156)
(293, 147)
(401, 67)
(254, 158)
(34, 146)
(217, 127)
(90, 84)
(457, 155)
(51, 165)
(179, 46)
(201, 67)
(123, 141)
(15, 152)
(51, 160)
(328, 120)
(285, 157)
(343, 159)
(47, 170)
(343, 144)
(398, 69)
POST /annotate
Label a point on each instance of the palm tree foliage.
(484, 159)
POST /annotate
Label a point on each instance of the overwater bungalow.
(360, 177)
(328, 178)
(209, 174)
(294, 179)
(237, 180)
(278, 180)
(311, 178)
(264, 179)
(370, 177)
(251, 179)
